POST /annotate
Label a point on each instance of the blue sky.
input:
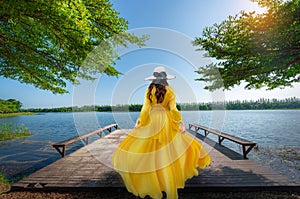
(172, 25)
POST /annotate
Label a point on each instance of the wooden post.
(246, 151)
(220, 139)
(99, 134)
(61, 149)
(86, 140)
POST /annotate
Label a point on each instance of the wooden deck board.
(91, 167)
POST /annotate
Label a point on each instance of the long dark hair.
(160, 90)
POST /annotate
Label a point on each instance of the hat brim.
(153, 78)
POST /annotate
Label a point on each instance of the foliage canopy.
(44, 43)
(260, 49)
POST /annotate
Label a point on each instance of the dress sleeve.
(176, 116)
(144, 114)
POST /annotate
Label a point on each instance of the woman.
(157, 155)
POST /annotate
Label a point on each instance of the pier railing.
(246, 144)
(61, 146)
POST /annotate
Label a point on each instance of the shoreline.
(5, 115)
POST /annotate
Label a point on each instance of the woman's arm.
(137, 124)
(175, 113)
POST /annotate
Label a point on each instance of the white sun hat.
(159, 73)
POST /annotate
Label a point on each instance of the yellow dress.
(156, 156)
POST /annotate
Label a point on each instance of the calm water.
(276, 132)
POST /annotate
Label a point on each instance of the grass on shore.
(4, 184)
(2, 115)
(3, 180)
(10, 131)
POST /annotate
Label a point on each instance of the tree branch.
(42, 53)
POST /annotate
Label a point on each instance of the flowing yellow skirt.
(158, 158)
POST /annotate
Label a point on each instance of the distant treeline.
(289, 103)
(261, 104)
(10, 106)
(133, 107)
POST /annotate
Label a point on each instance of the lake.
(275, 131)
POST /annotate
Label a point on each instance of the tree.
(16, 104)
(44, 43)
(260, 49)
(10, 106)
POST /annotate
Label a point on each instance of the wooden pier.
(90, 168)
